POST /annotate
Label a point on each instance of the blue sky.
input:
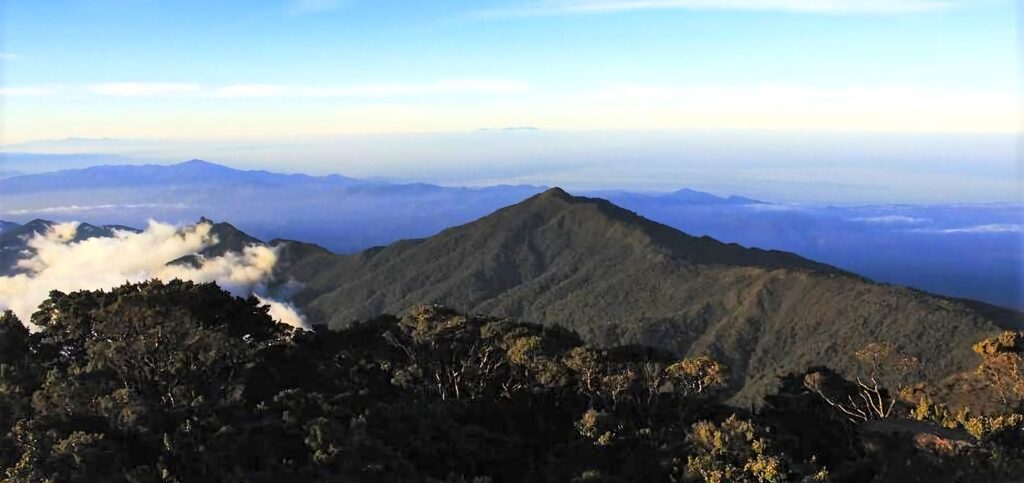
(286, 68)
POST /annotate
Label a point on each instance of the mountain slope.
(617, 278)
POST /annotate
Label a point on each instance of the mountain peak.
(558, 218)
(556, 193)
(616, 277)
(199, 164)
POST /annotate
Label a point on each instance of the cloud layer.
(179, 89)
(101, 263)
(143, 88)
(80, 208)
(890, 219)
(988, 228)
(27, 91)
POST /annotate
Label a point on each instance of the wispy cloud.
(143, 88)
(177, 89)
(483, 86)
(773, 207)
(890, 219)
(8, 56)
(779, 106)
(782, 94)
(989, 228)
(577, 7)
(315, 6)
(31, 91)
(81, 208)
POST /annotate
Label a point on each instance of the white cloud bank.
(577, 7)
(102, 263)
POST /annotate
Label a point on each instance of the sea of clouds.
(58, 262)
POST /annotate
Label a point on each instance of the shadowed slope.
(617, 278)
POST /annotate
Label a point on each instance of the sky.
(287, 68)
(847, 101)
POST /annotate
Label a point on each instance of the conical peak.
(555, 193)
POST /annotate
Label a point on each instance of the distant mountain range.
(198, 173)
(190, 173)
(684, 196)
(618, 278)
(970, 251)
(20, 164)
(343, 214)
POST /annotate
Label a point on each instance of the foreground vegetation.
(183, 382)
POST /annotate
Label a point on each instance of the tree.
(19, 377)
(733, 451)
(885, 374)
(697, 376)
(1003, 364)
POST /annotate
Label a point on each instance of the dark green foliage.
(18, 377)
(898, 448)
(183, 382)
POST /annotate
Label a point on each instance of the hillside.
(203, 386)
(617, 278)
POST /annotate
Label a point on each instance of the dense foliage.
(183, 382)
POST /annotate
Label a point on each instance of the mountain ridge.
(187, 172)
(199, 170)
(615, 277)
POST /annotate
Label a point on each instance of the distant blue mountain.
(194, 172)
(19, 164)
(342, 213)
(684, 196)
(970, 251)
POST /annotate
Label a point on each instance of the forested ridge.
(615, 277)
(183, 382)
